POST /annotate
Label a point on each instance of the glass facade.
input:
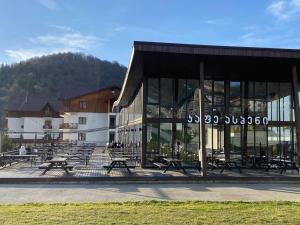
(267, 131)
(168, 101)
(130, 124)
(244, 120)
(250, 140)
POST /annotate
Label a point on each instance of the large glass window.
(153, 91)
(152, 141)
(166, 98)
(166, 139)
(192, 141)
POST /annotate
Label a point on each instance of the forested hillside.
(53, 75)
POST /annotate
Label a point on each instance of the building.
(88, 116)
(213, 101)
(34, 118)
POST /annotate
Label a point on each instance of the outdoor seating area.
(48, 157)
(277, 164)
(90, 161)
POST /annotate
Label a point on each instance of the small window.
(112, 122)
(82, 104)
(22, 126)
(81, 136)
(82, 120)
(48, 124)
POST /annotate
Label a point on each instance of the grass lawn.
(152, 212)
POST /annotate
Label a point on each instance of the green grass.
(152, 212)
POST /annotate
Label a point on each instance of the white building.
(88, 117)
(34, 119)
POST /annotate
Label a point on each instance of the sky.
(107, 28)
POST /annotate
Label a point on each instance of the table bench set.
(50, 157)
(56, 163)
(275, 164)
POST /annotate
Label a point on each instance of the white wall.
(32, 124)
(93, 121)
(14, 125)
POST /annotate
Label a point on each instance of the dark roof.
(153, 49)
(35, 104)
(84, 90)
(215, 50)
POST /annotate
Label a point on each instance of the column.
(297, 110)
(202, 150)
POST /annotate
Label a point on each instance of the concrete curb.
(150, 180)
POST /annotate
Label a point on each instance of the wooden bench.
(47, 165)
(44, 165)
(160, 165)
(130, 167)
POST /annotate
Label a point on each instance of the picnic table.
(85, 158)
(283, 164)
(56, 163)
(10, 158)
(118, 163)
(173, 163)
(228, 164)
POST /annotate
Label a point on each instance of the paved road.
(121, 192)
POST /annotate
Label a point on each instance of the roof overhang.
(132, 80)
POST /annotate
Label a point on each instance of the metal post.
(202, 150)
(297, 110)
(227, 126)
(1, 133)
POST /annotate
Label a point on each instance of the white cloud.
(268, 36)
(74, 40)
(218, 22)
(23, 54)
(49, 4)
(119, 28)
(62, 28)
(284, 9)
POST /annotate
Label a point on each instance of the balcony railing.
(47, 127)
(68, 126)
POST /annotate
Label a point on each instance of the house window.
(82, 104)
(81, 136)
(112, 122)
(82, 120)
(111, 137)
(48, 124)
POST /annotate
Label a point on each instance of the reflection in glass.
(181, 99)
(218, 139)
(273, 101)
(285, 101)
(192, 95)
(235, 93)
(192, 142)
(166, 98)
(152, 111)
(261, 144)
(273, 142)
(166, 139)
(208, 92)
(219, 93)
(235, 139)
(152, 141)
(178, 128)
(286, 142)
(250, 140)
(153, 90)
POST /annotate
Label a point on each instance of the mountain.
(55, 75)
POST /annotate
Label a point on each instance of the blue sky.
(107, 28)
